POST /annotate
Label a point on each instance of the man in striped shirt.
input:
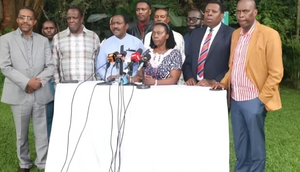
(255, 71)
(75, 50)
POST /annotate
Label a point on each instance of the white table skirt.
(167, 129)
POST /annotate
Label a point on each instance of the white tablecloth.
(167, 129)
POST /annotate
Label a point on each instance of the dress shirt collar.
(84, 30)
(22, 34)
(244, 33)
(119, 38)
(215, 29)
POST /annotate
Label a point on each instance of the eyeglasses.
(26, 17)
(157, 33)
(194, 19)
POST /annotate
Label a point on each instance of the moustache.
(116, 29)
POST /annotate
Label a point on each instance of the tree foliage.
(282, 16)
(9, 11)
(278, 14)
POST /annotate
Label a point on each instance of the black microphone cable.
(123, 123)
(70, 124)
(112, 123)
(114, 153)
(87, 117)
(121, 126)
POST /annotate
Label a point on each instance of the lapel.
(235, 38)
(198, 38)
(217, 40)
(35, 46)
(252, 43)
(19, 41)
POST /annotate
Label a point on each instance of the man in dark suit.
(207, 58)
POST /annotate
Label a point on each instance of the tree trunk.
(38, 8)
(1, 11)
(11, 9)
(9, 13)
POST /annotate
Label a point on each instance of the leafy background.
(278, 14)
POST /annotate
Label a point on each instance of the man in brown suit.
(255, 71)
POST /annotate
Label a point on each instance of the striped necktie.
(203, 54)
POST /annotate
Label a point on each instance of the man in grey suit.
(27, 65)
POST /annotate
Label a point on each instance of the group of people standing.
(247, 62)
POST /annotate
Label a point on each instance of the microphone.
(120, 57)
(112, 57)
(119, 61)
(123, 53)
(143, 63)
(144, 60)
(135, 57)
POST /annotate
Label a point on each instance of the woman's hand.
(149, 80)
(134, 79)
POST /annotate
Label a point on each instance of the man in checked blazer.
(27, 65)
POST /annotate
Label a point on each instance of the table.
(167, 129)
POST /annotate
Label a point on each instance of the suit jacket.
(216, 64)
(264, 65)
(17, 72)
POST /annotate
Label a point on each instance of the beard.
(191, 30)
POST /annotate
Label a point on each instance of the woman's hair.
(170, 42)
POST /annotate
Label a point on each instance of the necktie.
(203, 54)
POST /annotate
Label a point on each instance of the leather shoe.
(23, 170)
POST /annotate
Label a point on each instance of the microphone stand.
(123, 74)
(105, 81)
(130, 70)
(130, 74)
(143, 86)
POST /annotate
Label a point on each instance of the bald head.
(245, 14)
(252, 2)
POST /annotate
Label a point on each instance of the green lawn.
(282, 137)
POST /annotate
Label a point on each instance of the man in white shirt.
(118, 25)
(162, 15)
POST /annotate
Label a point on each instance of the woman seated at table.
(164, 67)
